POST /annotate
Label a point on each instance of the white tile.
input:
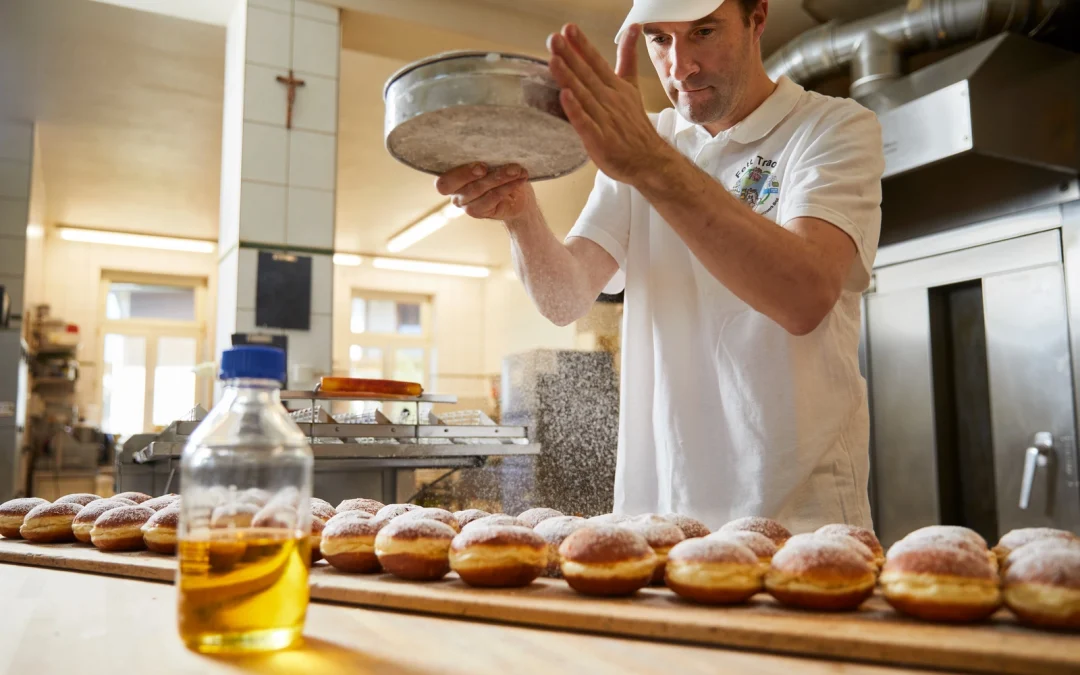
(315, 47)
(246, 278)
(276, 5)
(264, 153)
(314, 10)
(245, 321)
(268, 40)
(13, 285)
(13, 256)
(322, 284)
(262, 213)
(316, 104)
(16, 141)
(14, 215)
(311, 218)
(312, 163)
(14, 179)
(226, 284)
(312, 347)
(265, 99)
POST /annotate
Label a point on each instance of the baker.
(742, 224)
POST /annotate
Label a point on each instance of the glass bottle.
(243, 548)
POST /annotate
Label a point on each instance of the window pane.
(409, 365)
(142, 301)
(365, 362)
(408, 315)
(382, 316)
(358, 319)
(123, 384)
(174, 380)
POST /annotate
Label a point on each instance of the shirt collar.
(760, 122)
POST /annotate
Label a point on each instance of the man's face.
(704, 65)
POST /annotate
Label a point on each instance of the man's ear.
(758, 17)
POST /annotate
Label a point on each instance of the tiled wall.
(16, 161)
(278, 184)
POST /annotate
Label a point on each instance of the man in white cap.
(742, 225)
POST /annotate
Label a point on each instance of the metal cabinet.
(972, 385)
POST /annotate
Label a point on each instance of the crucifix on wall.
(292, 83)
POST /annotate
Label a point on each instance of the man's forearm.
(770, 268)
(552, 276)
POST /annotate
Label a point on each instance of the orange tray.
(352, 386)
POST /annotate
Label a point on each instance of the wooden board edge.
(103, 565)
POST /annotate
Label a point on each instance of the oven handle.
(1038, 455)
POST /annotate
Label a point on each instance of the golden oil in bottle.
(242, 590)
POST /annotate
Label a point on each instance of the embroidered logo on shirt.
(756, 186)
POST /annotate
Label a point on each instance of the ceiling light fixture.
(137, 240)
(35, 231)
(425, 267)
(348, 259)
(424, 227)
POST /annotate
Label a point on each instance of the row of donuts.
(124, 522)
(937, 573)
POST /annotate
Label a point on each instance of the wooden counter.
(54, 621)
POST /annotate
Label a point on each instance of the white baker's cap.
(655, 11)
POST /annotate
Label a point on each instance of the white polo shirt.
(723, 412)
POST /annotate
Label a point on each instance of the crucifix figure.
(292, 83)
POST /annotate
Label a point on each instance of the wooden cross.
(292, 83)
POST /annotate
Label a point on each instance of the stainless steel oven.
(969, 345)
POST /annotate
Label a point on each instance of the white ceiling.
(129, 110)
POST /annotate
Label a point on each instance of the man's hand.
(499, 194)
(604, 106)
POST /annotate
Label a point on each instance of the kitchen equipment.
(461, 107)
(5, 308)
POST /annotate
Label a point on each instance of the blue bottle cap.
(255, 362)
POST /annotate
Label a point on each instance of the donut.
(13, 512)
(606, 560)
(390, 511)
(137, 497)
(608, 519)
(814, 572)
(553, 531)
(278, 517)
(661, 534)
(500, 556)
(468, 515)
(321, 509)
(367, 506)
(120, 529)
(763, 547)
(942, 539)
(940, 583)
(348, 541)
(80, 498)
(315, 539)
(949, 530)
(691, 527)
(49, 523)
(770, 528)
(534, 517)
(1025, 535)
(418, 550)
(234, 515)
(159, 531)
(254, 496)
(844, 539)
(158, 503)
(441, 515)
(713, 571)
(84, 522)
(495, 519)
(864, 536)
(1037, 548)
(1044, 590)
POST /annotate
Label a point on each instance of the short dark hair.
(747, 7)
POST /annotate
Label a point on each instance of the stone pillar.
(277, 184)
(16, 161)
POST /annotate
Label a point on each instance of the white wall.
(34, 279)
(72, 287)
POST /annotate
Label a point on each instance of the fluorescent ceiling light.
(424, 227)
(137, 240)
(34, 231)
(424, 267)
(348, 259)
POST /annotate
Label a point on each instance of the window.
(152, 342)
(392, 340)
